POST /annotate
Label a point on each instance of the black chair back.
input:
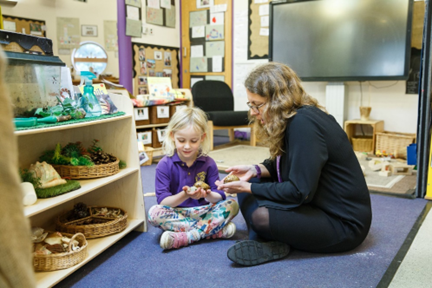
(213, 95)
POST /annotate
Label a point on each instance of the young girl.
(185, 213)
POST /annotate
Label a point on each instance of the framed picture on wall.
(89, 30)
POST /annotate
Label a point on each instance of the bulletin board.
(154, 61)
(257, 40)
(25, 25)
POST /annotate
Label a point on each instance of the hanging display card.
(214, 32)
(110, 35)
(133, 27)
(161, 12)
(198, 18)
(68, 33)
(136, 3)
(198, 64)
(216, 48)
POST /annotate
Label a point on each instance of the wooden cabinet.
(117, 135)
(359, 127)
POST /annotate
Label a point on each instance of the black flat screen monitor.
(342, 40)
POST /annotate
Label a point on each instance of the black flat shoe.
(250, 253)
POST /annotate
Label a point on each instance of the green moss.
(71, 185)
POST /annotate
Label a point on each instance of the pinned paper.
(264, 32)
(218, 8)
(153, 4)
(217, 19)
(264, 21)
(197, 51)
(217, 63)
(264, 10)
(198, 32)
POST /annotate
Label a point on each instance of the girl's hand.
(244, 172)
(196, 194)
(235, 186)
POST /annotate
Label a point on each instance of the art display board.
(258, 27)
(206, 41)
(154, 61)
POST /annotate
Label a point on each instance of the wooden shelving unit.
(350, 127)
(117, 135)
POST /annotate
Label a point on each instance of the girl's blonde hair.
(183, 118)
(281, 89)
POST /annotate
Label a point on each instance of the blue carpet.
(138, 261)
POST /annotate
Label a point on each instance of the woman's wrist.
(257, 171)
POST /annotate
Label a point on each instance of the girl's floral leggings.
(208, 219)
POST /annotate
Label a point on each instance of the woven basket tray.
(87, 172)
(64, 260)
(108, 227)
(391, 142)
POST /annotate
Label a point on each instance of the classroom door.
(206, 42)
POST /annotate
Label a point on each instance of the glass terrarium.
(33, 76)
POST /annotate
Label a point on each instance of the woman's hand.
(244, 172)
(235, 186)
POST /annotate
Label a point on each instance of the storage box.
(175, 107)
(158, 137)
(412, 154)
(145, 136)
(149, 152)
(391, 142)
(142, 116)
(362, 143)
(159, 114)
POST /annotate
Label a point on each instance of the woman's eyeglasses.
(255, 108)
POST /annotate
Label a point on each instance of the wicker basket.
(391, 142)
(108, 227)
(87, 172)
(64, 260)
(149, 152)
(362, 143)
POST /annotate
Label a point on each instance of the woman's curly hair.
(281, 89)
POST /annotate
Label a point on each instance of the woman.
(311, 194)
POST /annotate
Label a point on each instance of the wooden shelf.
(86, 186)
(117, 135)
(151, 126)
(71, 126)
(351, 125)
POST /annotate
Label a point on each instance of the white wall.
(94, 12)
(387, 98)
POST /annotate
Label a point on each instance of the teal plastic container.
(90, 103)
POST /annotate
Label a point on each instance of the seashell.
(231, 178)
(54, 238)
(38, 234)
(202, 184)
(47, 174)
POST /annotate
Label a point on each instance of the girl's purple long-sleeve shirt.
(172, 174)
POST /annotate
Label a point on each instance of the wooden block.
(384, 173)
(400, 169)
